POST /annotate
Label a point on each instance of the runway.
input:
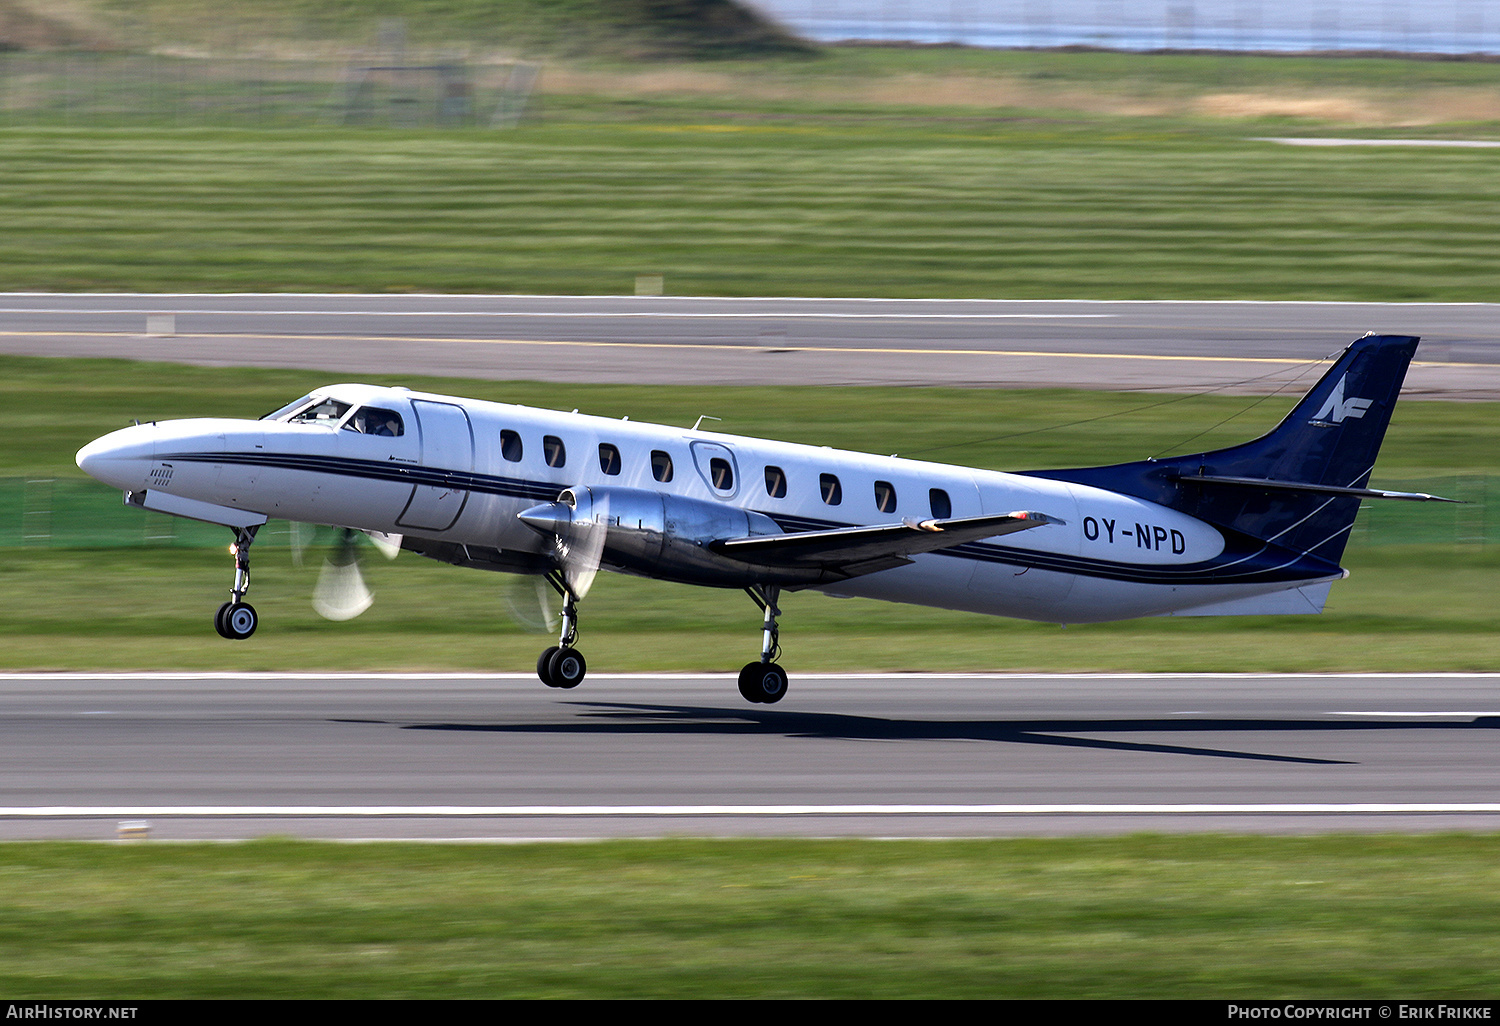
(501, 757)
(1232, 346)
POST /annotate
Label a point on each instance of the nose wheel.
(236, 619)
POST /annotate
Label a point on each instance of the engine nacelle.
(662, 536)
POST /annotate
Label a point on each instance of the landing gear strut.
(236, 619)
(765, 681)
(562, 665)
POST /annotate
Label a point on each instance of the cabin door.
(447, 463)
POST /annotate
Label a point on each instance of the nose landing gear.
(236, 619)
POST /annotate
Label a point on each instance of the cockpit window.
(372, 420)
(329, 411)
(288, 408)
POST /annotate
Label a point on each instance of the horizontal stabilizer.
(1303, 486)
(858, 550)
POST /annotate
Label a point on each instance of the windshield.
(288, 408)
(329, 411)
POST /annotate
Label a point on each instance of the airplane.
(1257, 528)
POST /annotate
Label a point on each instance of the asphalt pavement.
(912, 755)
(1237, 347)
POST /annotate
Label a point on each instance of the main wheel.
(239, 621)
(567, 668)
(544, 666)
(764, 683)
(219, 620)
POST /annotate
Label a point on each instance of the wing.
(854, 551)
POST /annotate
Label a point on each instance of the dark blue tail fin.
(1327, 443)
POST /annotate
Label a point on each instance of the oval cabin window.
(510, 446)
(885, 496)
(833, 492)
(942, 508)
(661, 465)
(721, 474)
(609, 459)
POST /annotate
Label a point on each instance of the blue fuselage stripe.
(1245, 560)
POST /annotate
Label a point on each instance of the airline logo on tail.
(1337, 408)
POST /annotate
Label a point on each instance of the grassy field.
(1098, 208)
(1428, 606)
(1143, 917)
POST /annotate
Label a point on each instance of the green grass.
(1424, 608)
(1194, 917)
(1433, 606)
(794, 207)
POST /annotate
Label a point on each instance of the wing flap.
(861, 550)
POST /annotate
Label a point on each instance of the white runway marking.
(853, 675)
(512, 811)
(1423, 713)
(659, 314)
(1462, 143)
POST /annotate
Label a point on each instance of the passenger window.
(721, 473)
(554, 450)
(661, 465)
(833, 492)
(942, 509)
(609, 459)
(371, 420)
(885, 496)
(510, 446)
(775, 483)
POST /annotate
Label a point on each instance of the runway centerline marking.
(781, 346)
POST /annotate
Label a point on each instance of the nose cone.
(121, 458)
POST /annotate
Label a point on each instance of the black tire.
(747, 682)
(544, 666)
(239, 621)
(219, 620)
(567, 668)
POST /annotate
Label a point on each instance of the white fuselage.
(462, 469)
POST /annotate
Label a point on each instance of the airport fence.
(78, 513)
(113, 89)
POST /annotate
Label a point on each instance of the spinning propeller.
(578, 524)
(341, 593)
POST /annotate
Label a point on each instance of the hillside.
(572, 28)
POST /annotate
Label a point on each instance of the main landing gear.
(765, 681)
(562, 665)
(236, 619)
(762, 682)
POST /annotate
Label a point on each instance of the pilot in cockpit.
(372, 421)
